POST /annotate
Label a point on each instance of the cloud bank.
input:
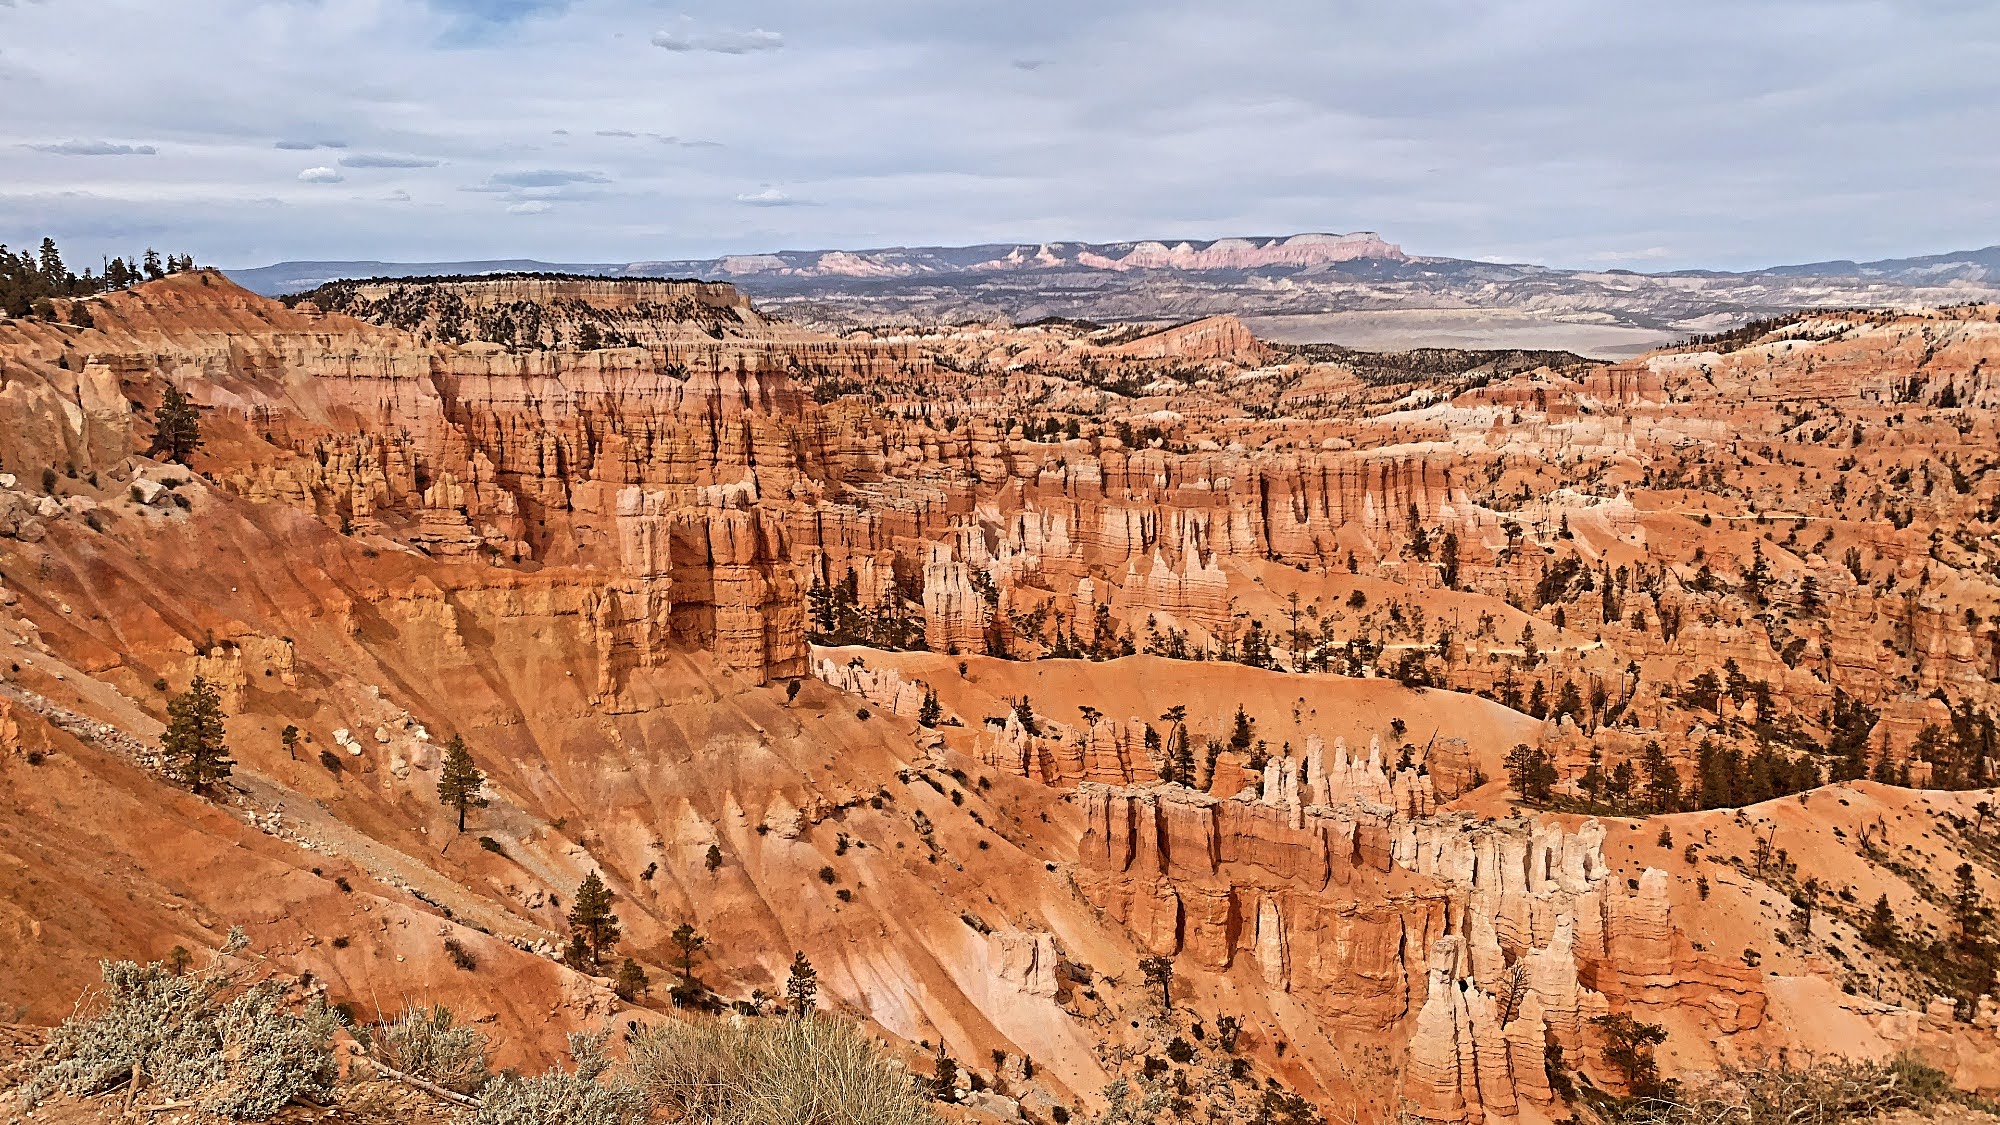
(1549, 131)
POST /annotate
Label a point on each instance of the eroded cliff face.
(598, 562)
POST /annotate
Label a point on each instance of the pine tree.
(944, 1075)
(1881, 927)
(152, 265)
(52, 268)
(713, 860)
(631, 981)
(176, 427)
(689, 943)
(1181, 755)
(929, 712)
(591, 921)
(459, 781)
(193, 743)
(802, 987)
(1663, 782)
(1243, 733)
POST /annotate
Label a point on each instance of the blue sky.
(1586, 133)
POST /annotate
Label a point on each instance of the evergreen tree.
(1448, 560)
(1531, 774)
(193, 743)
(1968, 908)
(176, 426)
(802, 987)
(459, 781)
(688, 944)
(53, 271)
(588, 337)
(1663, 783)
(591, 921)
(1181, 754)
(1628, 1046)
(944, 1074)
(929, 712)
(1243, 733)
(631, 981)
(153, 270)
(1881, 927)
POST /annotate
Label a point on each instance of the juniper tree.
(459, 780)
(176, 427)
(193, 742)
(591, 920)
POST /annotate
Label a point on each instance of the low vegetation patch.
(769, 1072)
(207, 1039)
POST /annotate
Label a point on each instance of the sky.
(1579, 133)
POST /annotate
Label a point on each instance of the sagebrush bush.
(773, 1072)
(431, 1044)
(235, 1052)
(1781, 1093)
(560, 1097)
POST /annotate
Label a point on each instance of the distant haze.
(1356, 289)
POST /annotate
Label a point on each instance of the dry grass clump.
(430, 1043)
(203, 1039)
(1818, 1093)
(809, 1071)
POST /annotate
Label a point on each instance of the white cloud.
(1649, 254)
(307, 146)
(321, 175)
(687, 38)
(769, 197)
(543, 178)
(93, 148)
(530, 207)
(381, 160)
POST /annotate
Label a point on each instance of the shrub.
(758, 1072)
(331, 761)
(430, 1044)
(460, 956)
(559, 1097)
(233, 1051)
(492, 845)
(1777, 1094)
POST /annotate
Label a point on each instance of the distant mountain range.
(1355, 289)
